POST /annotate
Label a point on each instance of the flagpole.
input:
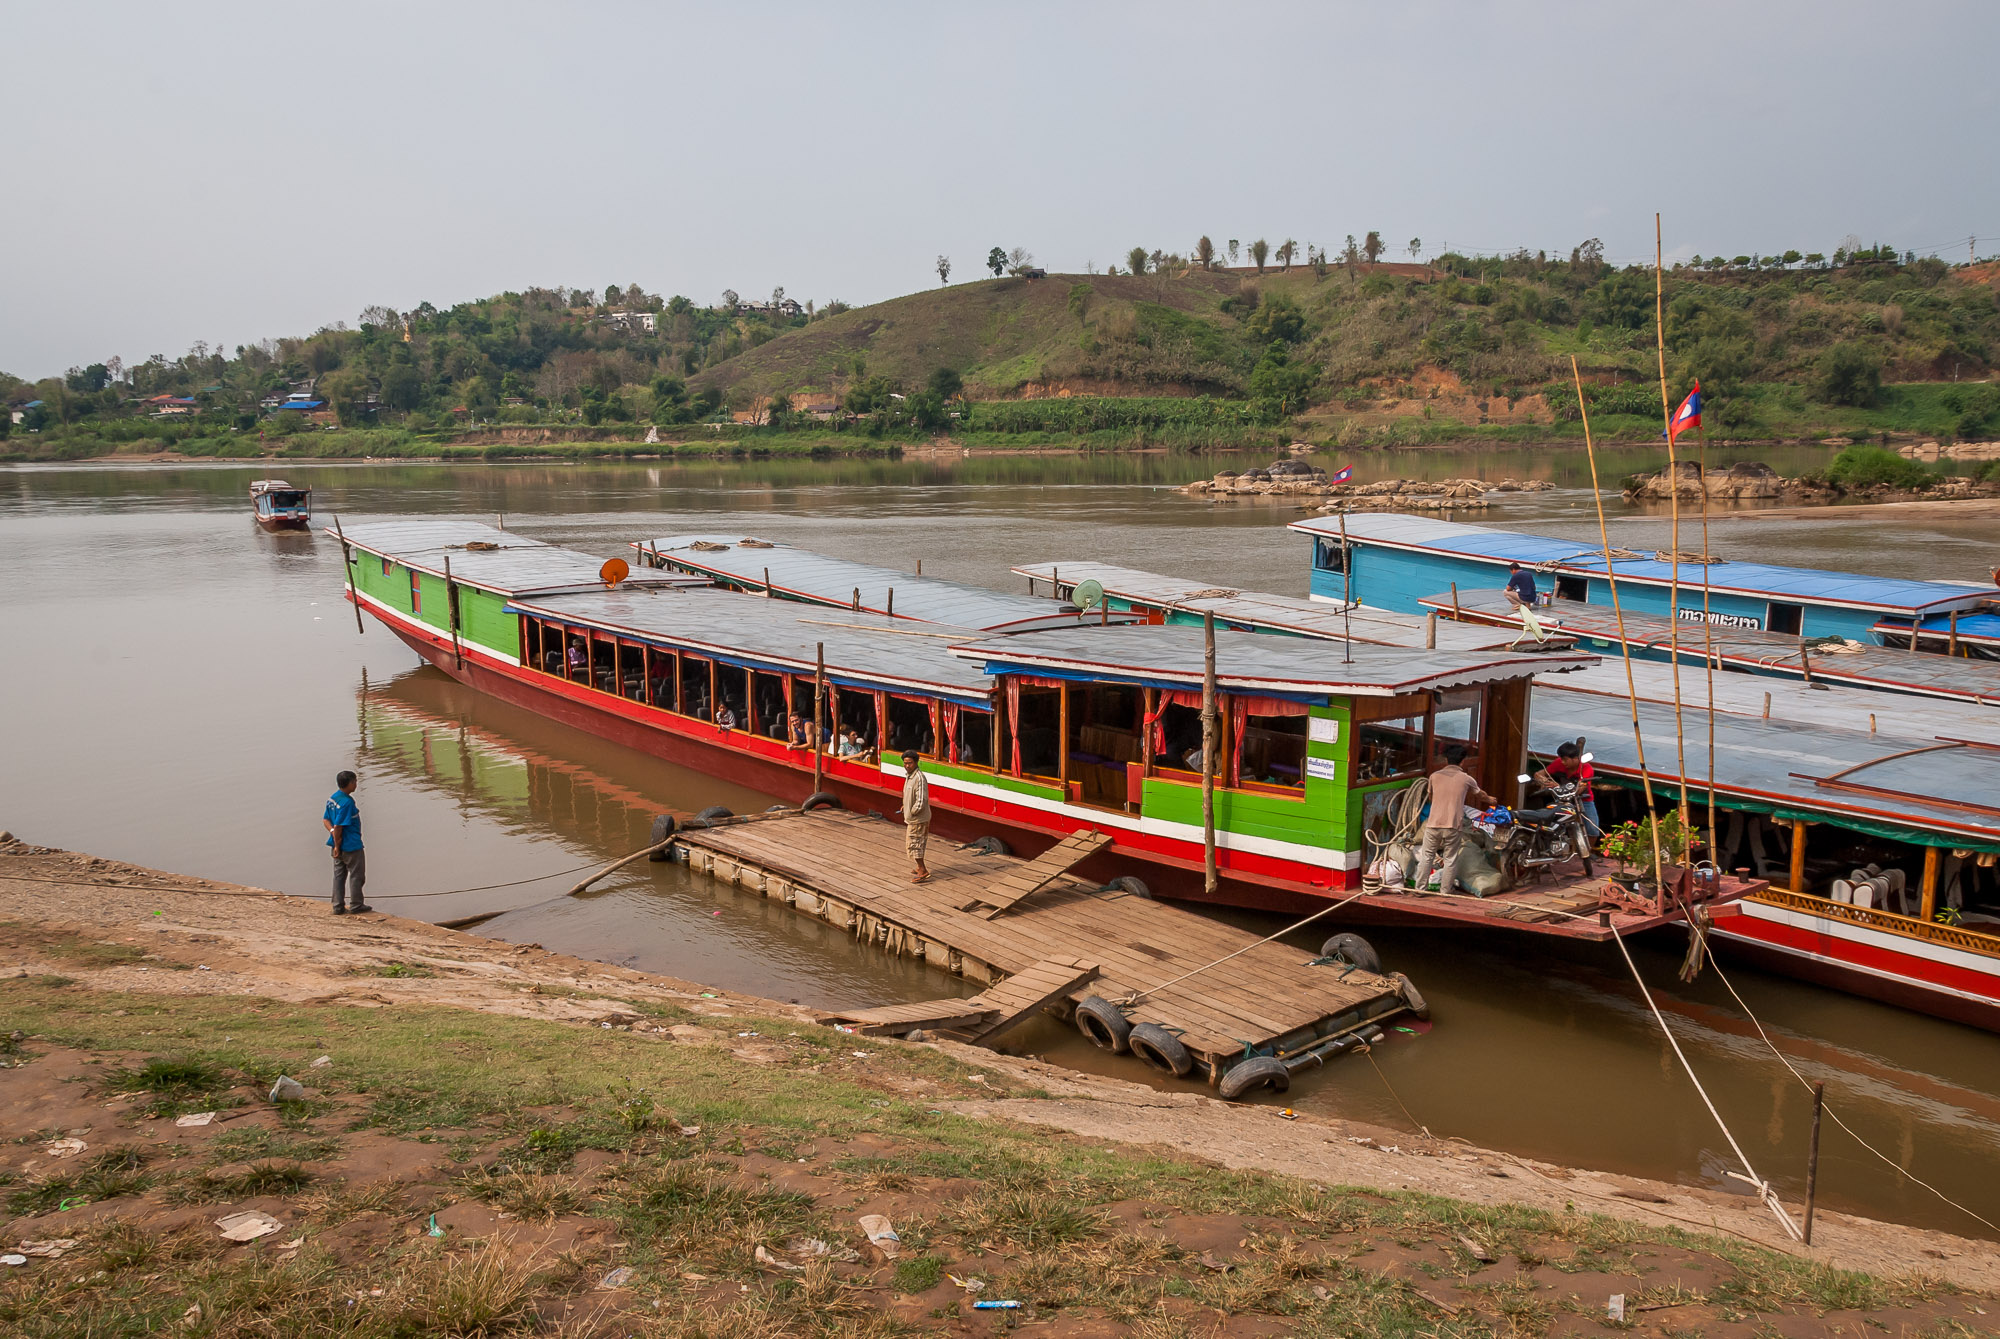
(1674, 493)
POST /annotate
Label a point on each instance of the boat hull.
(1878, 963)
(285, 522)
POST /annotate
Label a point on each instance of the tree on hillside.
(730, 301)
(1849, 375)
(996, 261)
(1278, 386)
(1135, 260)
(1372, 245)
(1416, 245)
(1232, 250)
(1260, 250)
(1287, 251)
(1791, 258)
(1350, 256)
(945, 383)
(944, 269)
(1204, 253)
(1020, 260)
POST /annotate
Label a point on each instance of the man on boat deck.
(1444, 828)
(1520, 587)
(916, 814)
(1571, 763)
(343, 837)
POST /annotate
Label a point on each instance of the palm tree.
(1259, 251)
(1287, 251)
(1204, 253)
(1372, 245)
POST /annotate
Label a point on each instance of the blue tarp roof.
(1761, 580)
(301, 404)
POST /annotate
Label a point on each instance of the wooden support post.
(1431, 631)
(1933, 858)
(1455, 612)
(767, 583)
(451, 613)
(938, 749)
(1916, 624)
(1147, 713)
(819, 709)
(920, 567)
(714, 705)
(1798, 878)
(1209, 878)
(1805, 661)
(857, 599)
(1812, 1158)
(1062, 738)
(1951, 645)
(353, 574)
(892, 602)
(993, 723)
(1767, 706)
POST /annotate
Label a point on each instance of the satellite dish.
(1087, 595)
(614, 571)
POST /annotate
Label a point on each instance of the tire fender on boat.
(1411, 996)
(1246, 1076)
(1102, 1025)
(1353, 949)
(821, 799)
(664, 826)
(1160, 1049)
(1130, 885)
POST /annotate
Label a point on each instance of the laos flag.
(1687, 416)
(1341, 475)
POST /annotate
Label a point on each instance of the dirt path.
(117, 927)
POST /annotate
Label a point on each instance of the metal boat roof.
(801, 574)
(1859, 665)
(517, 565)
(863, 650)
(1758, 580)
(1926, 785)
(1252, 662)
(1260, 611)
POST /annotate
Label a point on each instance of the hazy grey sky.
(231, 172)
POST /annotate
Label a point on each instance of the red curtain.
(950, 750)
(1175, 697)
(1014, 718)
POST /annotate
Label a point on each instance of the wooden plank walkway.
(986, 1014)
(847, 870)
(1024, 881)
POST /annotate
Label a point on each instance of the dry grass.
(530, 1197)
(466, 1296)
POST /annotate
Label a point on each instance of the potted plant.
(1631, 844)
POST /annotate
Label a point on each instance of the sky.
(233, 172)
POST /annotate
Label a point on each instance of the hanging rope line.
(1674, 507)
(1137, 996)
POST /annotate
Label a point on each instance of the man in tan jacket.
(916, 814)
(1444, 830)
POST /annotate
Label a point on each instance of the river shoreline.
(162, 938)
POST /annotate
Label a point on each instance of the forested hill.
(1328, 343)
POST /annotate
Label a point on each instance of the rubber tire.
(821, 799)
(988, 846)
(1411, 996)
(664, 827)
(713, 812)
(1160, 1049)
(1352, 948)
(779, 809)
(1129, 885)
(1246, 1076)
(1102, 1025)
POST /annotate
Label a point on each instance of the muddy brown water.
(179, 688)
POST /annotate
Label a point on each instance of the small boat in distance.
(279, 506)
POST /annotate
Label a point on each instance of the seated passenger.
(578, 657)
(725, 717)
(851, 745)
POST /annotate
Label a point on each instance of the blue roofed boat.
(1394, 562)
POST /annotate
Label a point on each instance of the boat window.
(732, 690)
(631, 680)
(854, 709)
(1389, 748)
(385, 567)
(1273, 752)
(909, 725)
(1038, 732)
(694, 688)
(663, 679)
(1328, 555)
(1573, 588)
(1457, 720)
(1176, 736)
(1104, 724)
(1785, 618)
(974, 737)
(803, 688)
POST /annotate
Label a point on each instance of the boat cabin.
(279, 506)
(1394, 562)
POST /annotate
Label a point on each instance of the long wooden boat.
(1391, 561)
(277, 505)
(1032, 737)
(1808, 788)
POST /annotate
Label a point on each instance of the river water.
(180, 687)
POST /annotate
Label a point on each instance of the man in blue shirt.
(343, 838)
(1520, 586)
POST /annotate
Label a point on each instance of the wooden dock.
(1041, 939)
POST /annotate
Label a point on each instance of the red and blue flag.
(1687, 416)
(1341, 475)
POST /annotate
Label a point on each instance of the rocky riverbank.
(1292, 478)
(1754, 481)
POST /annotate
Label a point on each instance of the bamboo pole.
(451, 616)
(352, 571)
(1209, 877)
(1618, 611)
(819, 707)
(1812, 1157)
(1708, 652)
(1674, 504)
(1951, 646)
(1798, 869)
(767, 583)
(1346, 592)
(1062, 739)
(1927, 908)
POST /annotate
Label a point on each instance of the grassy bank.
(550, 1154)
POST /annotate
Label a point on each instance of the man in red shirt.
(1569, 765)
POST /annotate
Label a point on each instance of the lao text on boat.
(1031, 736)
(1187, 994)
(1886, 878)
(1394, 561)
(277, 505)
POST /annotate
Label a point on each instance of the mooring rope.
(1135, 997)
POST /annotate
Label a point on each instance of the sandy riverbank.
(107, 966)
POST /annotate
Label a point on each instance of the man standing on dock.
(343, 838)
(1444, 830)
(916, 813)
